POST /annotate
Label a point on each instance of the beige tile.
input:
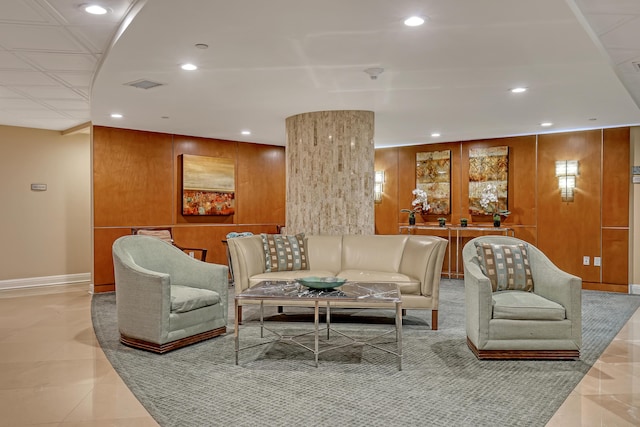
(28, 406)
(108, 401)
(52, 373)
(591, 411)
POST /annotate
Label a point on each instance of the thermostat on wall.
(38, 187)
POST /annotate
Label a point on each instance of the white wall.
(45, 236)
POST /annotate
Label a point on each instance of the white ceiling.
(268, 60)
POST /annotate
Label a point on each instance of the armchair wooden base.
(163, 348)
(524, 354)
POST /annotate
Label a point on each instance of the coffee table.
(350, 295)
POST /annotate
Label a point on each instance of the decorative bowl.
(321, 282)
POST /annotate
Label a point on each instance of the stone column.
(330, 158)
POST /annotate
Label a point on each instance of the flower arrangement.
(419, 203)
(489, 202)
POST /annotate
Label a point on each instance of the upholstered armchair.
(519, 305)
(165, 298)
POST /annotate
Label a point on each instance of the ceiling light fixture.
(116, 116)
(246, 132)
(202, 46)
(189, 67)
(95, 9)
(414, 21)
(435, 135)
(546, 124)
(374, 72)
(518, 89)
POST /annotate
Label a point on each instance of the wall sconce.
(566, 171)
(378, 184)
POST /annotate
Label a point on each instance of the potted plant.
(412, 215)
(419, 204)
(463, 222)
(442, 221)
(489, 202)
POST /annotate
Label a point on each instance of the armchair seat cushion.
(185, 298)
(519, 305)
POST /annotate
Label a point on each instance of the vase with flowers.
(489, 202)
(419, 205)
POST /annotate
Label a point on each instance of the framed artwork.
(433, 175)
(488, 166)
(208, 185)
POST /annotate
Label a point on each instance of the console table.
(460, 232)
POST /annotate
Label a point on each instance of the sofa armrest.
(247, 259)
(478, 303)
(422, 258)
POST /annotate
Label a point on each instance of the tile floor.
(53, 372)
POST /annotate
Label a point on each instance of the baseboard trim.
(31, 282)
(634, 289)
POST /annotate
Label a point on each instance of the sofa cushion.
(506, 266)
(407, 285)
(519, 305)
(284, 253)
(186, 298)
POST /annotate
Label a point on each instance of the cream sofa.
(413, 262)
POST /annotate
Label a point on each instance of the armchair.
(165, 234)
(517, 323)
(166, 299)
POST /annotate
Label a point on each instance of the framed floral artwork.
(433, 175)
(208, 185)
(488, 170)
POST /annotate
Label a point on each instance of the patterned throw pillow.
(506, 266)
(284, 253)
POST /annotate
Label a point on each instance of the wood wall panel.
(615, 256)
(387, 211)
(595, 224)
(567, 231)
(199, 147)
(261, 184)
(616, 175)
(103, 239)
(138, 182)
(132, 178)
(522, 179)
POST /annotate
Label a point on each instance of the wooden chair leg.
(280, 309)
(434, 320)
(240, 316)
(404, 312)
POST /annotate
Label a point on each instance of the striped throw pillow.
(506, 266)
(284, 253)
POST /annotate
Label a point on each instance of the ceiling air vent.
(143, 84)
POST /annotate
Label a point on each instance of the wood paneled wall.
(137, 182)
(595, 224)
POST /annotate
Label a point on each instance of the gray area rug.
(441, 384)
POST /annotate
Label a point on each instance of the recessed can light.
(246, 132)
(546, 124)
(414, 21)
(116, 115)
(435, 134)
(518, 89)
(189, 67)
(95, 9)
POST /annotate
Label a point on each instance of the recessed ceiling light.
(546, 124)
(246, 132)
(435, 134)
(189, 67)
(95, 9)
(518, 89)
(116, 116)
(414, 21)
(202, 46)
